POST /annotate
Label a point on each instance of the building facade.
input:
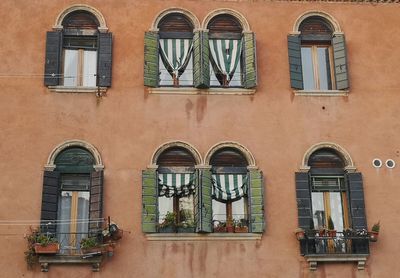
(208, 131)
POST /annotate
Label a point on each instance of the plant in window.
(219, 226)
(186, 223)
(331, 227)
(241, 226)
(90, 245)
(168, 225)
(373, 235)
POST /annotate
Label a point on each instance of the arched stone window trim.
(188, 14)
(81, 7)
(50, 166)
(340, 150)
(243, 21)
(329, 18)
(246, 153)
(165, 146)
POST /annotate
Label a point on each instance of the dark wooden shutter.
(303, 196)
(149, 201)
(96, 203)
(50, 194)
(104, 67)
(256, 202)
(295, 67)
(204, 205)
(340, 61)
(53, 58)
(250, 60)
(201, 60)
(356, 201)
(151, 70)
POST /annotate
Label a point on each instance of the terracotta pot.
(300, 235)
(243, 229)
(51, 248)
(219, 229)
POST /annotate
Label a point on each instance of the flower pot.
(230, 229)
(166, 229)
(331, 233)
(373, 236)
(97, 249)
(186, 230)
(243, 229)
(300, 234)
(51, 248)
(219, 229)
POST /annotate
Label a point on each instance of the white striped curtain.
(175, 55)
(225, 56)
(171, 185)
(229, 187)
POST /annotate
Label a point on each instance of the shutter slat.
(256, 202)
(201, 60)
(303, 196)
(96, 202)
(340, 61)
(104, 68)
(49, 201)
(295, 66)
(149, 201)
(151, 70)
(204, 220)
(250, 61)
(53, 58)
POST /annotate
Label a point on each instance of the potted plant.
(219, 226)
(373, 235)
(30, 255)
(241, 226)
(186, 223)
(230, 228)
(168, 225)
(46, 244)
(90, 245)
(300, 233)
(331, 228)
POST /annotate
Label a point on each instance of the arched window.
(317, 55)
(230, 190)
(72, 199)
(331, 208)
(78, 55)
(176, 188)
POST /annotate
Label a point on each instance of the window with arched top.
(331, 208)
(78, 55)
(72, 199)
(317, 56)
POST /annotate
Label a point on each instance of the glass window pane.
(219, 210)
(308, 68)
(165, 77)
(164, 205)
(64, 218)
(186, 206)
(186, 79)
(238, 209)
(324, 69)
(336, 210)
(89, 68)
(70, 67)
(318, 209)
(82, 226)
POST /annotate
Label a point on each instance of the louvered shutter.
(340, 61)
(304, 211)
(151, 70)
(96, 203)
(50, 194)
(53, 58)
(256, 202)
(201, 60)
(204, 205)
(295, 67)
(149, 201)
(104, 68)
(250, 60)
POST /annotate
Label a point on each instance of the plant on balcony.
(219, 226)
(90, 245)
(331, 228)
(168, 225)
(373, 235)
(186, 223)
(241, 226)
(300, 233)
(39, 243)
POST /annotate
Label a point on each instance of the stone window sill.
(45, 260)
(203, 237)
(80, 89)
(195, 91)
(314, 259)
(321, 93)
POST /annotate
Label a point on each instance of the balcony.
(347, 246)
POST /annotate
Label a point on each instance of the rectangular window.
(80, 68)
(317, 67)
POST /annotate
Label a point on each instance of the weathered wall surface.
(128, 125)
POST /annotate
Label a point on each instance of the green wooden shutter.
(149, 201)
(201, 60)
(53, 58)
(151, 70)
(356, 201)
(340, 61)
(96, 203)
(104, 67)
(204, 220)
(249, 60)
(295, 67)
(51, 180)
(256, 202)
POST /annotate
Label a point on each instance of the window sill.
(322, 93)
(80, 89)
(359, 258)
(69, 259)
(195, 91)
(203, 237)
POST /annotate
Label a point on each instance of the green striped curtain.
(229, 187)
(180, 185)
(175, 55)
(225, 56)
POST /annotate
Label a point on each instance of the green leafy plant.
(45, 239)
(89, 242)
(376, 227)
(169, 220)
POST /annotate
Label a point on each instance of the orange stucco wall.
(129, 124)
